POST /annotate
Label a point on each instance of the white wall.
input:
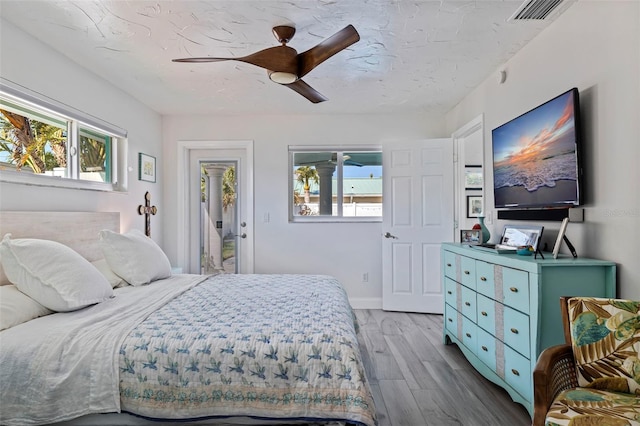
(594, 46)
(344, 250)
(30, 63)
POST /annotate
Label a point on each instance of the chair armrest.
(554, 372)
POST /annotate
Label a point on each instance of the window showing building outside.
(344, 184)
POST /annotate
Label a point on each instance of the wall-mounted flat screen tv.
(536, 156)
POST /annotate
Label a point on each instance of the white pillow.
(16, 307)
(53, 274)
(105, 270)
(134, 257)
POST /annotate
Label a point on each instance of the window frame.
(77, 121)
(339, 149)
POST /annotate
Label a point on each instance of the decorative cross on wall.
(147, 210)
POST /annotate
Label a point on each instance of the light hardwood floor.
(417, 380)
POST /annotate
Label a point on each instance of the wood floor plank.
(383, 361)
(416, 374)
(365, 319)
(381, 408)
(435, 408)
(400, 403)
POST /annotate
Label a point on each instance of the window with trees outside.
(39, 145)
(335, 184)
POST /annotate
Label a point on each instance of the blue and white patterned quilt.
(268, 346)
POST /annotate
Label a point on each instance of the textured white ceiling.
(413, 55)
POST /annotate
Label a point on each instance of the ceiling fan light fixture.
(282, 77)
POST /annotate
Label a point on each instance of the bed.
(224, 349)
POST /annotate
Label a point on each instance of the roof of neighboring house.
(361, 186)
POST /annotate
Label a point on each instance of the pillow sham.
(52, 274)
(16, 307)
(105, 270)
(134, 256)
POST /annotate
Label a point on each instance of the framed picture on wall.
(474, 205)
(473, 177)
(146, 167)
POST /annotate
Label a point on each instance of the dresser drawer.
(468, 303)
(485, 280)
(451, 320)
(486, 309)
(468, 272)
(516, 289)
(450, 265)
(486, 350)
(516, 331)
(469, 334)
(517, 373)
(450, 291)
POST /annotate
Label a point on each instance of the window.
(41, 140)
(335, 184)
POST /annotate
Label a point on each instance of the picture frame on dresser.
(561, 232)
(470, 236)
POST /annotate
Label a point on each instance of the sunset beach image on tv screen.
(535, 159)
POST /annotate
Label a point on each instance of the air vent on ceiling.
(535, 9)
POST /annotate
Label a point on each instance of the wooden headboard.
(78, 230)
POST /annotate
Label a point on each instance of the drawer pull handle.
(449, 292)
(468, 335)
(466, 272)
(484, 348)
(483, 278)
(467, 303)
(448, 264)
(484, 314)
(514, 330)
(515, 372)
(514, 289)
(449, 319)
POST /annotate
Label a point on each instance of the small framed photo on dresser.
(470, 236)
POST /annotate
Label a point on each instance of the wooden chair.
(555, 371)
(558, 371)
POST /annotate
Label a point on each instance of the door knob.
(388, 235)
(243, 224)
(243, 235)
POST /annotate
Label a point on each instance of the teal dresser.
(502, 310)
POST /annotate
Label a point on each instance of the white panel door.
(417, 216)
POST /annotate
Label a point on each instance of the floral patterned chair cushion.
(593, 407)
(605, 338)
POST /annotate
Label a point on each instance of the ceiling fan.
(286, 66)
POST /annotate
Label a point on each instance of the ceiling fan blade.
(278, 58)
(202, 60)
(321, 52)
(307, 91)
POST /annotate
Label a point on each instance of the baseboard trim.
(366, 302)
